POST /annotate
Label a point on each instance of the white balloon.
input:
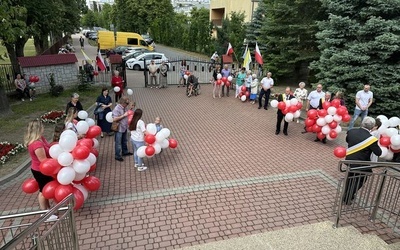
(157, 147)
(91, 159)
(68, 132)
(160, 137)
(68, 142)
(337, 118)
(95, 143)
(395, 140)
(274, 103)
(116, 89)
(329, 118)
(243, 98)
(293, 102)
(388, 156)
(141, 152)
(395, 147)
(65, 159)
(230, 78)
(394, 121)
(338, 129)
(296, 114)
(166, 132)
(81, 166)
(321, 121)
(165, 144)
(219, 76)
(82, 114)
(329, 137)
(55, 151)
(186, 77)
(391, 132)
(382, 129)
(109, 117)
(331, 110)
(130, 92)
(385, 123)
(66, 175)
(82, 127)
(382, 118)
(287, 102)
(79, 176)
(90, 121)
(151, 128)
(325, 129)
(289, 117)
(82, 189)
(384, 152)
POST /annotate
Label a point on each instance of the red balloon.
(80, 152)
(299, 105)
(224, 79)
(320, 135)
(79, 198)
(150, 150)
(285, 111)
(187, 72)
(384, 141)
(219, 82)
(316, 128)
(49, 189)
(93, 168)
(149, 138)
(394, 150)
(293, 108)
(326, 105)
(95, 73)
(339, 152)
(30, 186)
(322, 113)
(309, 129)
(243, 88)
(341, 111)
(228, 83)
(36, 78)
(333, 124)
(240, 94)
(309, 122)
(93, 132)
(95, 152)
(312, 113)
(335, 103)
(85, 142)
(49, 167)
(247, 94)
(346, 118)
(173, 143)
(62, 191)
(281, 105)
(31, 79)
(333, 134)
(91, 183)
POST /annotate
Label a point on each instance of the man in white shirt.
(266, 84)
(314, 97)
(363, 101)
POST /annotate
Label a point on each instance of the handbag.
(114, 126)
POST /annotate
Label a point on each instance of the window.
(143, 43)
(132, 41)
(157, 57)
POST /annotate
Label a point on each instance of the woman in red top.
(117, 81)
(38, 149)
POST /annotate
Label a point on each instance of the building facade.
(220, 9)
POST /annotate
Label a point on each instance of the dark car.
(120, 49)
(148, 39)
(87, 34)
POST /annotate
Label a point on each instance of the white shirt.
(314, 98)
(267, 83)
(249, 79)
(363, 98)
(138, 134)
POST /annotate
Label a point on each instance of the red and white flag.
(230, 50)
(100, 62)
(258, 56)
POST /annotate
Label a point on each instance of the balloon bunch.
(244, 94)
(326, 121)
(34, 79)
(290, 108)
(222, 80)
(186, 75)
(71, 161)
(156, 141)
(389, 140)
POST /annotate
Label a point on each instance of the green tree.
(360, 43)
(254, 28)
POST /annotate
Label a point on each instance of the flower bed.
(8, 149)
(53, 116)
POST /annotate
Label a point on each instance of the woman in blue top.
(104, 101)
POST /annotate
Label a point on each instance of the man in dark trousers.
(360, 146)
(82, 42)
(280, 116)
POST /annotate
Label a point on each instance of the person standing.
(182, 72)
(280, 116)
(89, 70)
(225, 72)
(240, 81)
(363, 102)
(21, 87)
(314, 98)
(74, 102)
(153, 74)
(138, 131)
(163, 75)
(339, 95)
(266, 84)
(326, 98)
(82, 42)
(361, 144)
(217, 87)
(117, 81)
(104, 102)
(301, 94)
(254, 89)
(120, 115)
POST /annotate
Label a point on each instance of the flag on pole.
(247, 60)
(230, 50)
(100, 62)
(258, 56)
(86, 57)
(245, 51)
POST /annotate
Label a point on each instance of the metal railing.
(369, 192)
(26, 231)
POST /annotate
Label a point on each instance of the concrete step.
(314, 236)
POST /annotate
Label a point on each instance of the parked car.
(148, 39)
(132, 54)
(120, 49)
(87, 34)
(138, 62)
(134, 49)
(93, 36)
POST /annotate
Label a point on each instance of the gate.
(7, 76)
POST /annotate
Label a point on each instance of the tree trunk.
(13, 57)
(4, 104)
(41, 43)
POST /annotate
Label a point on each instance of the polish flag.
(230, 50)
(100, 62)
(258, 56)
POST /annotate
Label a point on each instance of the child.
(254, 89)
(59, 128)
(158, 124)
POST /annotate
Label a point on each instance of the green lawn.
(29, 50)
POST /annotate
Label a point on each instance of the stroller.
(193, 86)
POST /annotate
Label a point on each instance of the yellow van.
(106, 40)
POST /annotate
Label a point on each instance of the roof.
(115, 59)
(45, 60)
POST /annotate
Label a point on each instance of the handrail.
(367, 165)
(12, 216)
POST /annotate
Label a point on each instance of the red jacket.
(116, 81)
